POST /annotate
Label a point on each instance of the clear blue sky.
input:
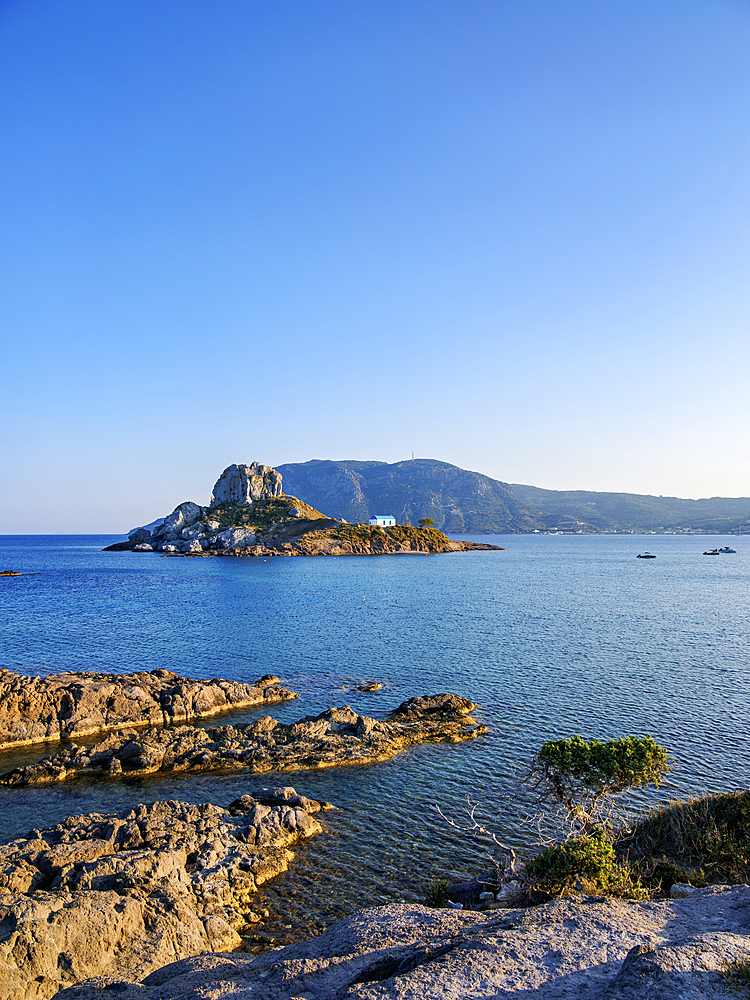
(508, 235)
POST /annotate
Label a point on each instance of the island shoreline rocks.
(335, 738)
(336, 547)
(69, 705)
(124, 894)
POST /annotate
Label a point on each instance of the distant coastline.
(464, 502)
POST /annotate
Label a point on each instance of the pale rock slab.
(581, 948)
(183, 516)
(37, 709)
(235, 538)
(335, 738)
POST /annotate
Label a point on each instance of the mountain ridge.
(465, 502)
(459, 501)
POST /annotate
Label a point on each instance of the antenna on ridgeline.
(412, 455)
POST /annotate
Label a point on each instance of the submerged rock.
(577, 948)
(35, 709)
(334, 738)
(123, 895)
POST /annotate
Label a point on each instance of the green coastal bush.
(705, 841)
(436, 893)
(736, 975)
(584, 864)
(581, 776)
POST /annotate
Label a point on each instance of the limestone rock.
(434, 706)
(241, 484)
(575, 948)
(35, 709)
(148, 528)
(139, 535)
(124, 895)
(235, 538)
(334, 738)
(680, 890)
(196, 531)
(183, 516)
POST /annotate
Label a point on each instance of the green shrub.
(584, 863)
(436, 893)
(579, 775)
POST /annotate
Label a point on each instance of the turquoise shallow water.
(553, 636)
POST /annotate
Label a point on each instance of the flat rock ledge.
(577, 948)
(332, 739)
(124, 895)
(39, 709)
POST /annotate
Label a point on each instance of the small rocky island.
(249, 515)
(335, 738)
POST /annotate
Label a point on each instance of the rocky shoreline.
(330, 543)
(335, 738)
(69, 705)
(124, 895)
(156, 902)
(121, 896)
(578, 948)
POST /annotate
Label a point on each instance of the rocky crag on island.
(39, 709)
(249, 515)
(123, 895)
(335, 738)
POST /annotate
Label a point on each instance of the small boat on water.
(725, 549)
(712, 552)
(645, 555)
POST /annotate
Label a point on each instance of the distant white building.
(382, 521)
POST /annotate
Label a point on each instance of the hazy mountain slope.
(632, 511)
(457, 500)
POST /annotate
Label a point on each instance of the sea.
(553, 636)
